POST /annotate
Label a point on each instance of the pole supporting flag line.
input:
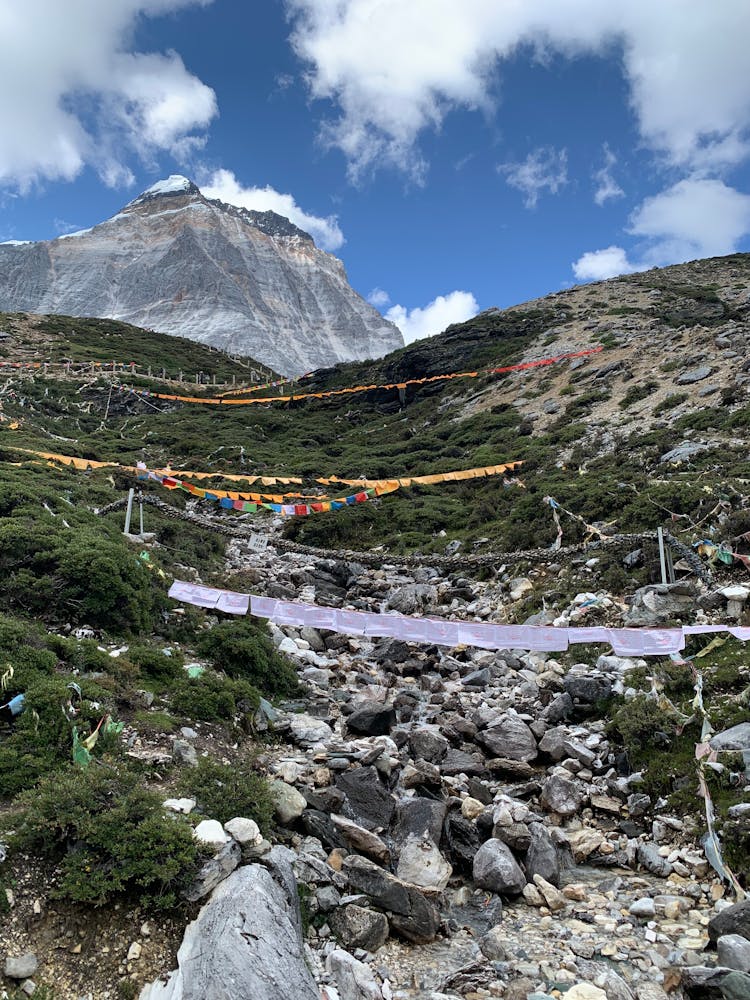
(227, 401)
(634, 642)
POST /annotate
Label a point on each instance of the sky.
(456, 156)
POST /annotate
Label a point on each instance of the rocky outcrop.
(245, 942)
(248, 282)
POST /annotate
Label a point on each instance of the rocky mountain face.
(248, 282)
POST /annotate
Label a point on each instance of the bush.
(224, 791)
(109, 837)
(214, 699)
(42, 736)
(155, 664)
(242, 649)
(80, 576)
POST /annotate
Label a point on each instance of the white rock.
(244, 831)
(210, 831)
(179, 805)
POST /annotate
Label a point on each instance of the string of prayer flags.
(229, 401)
(632, 642)
(252, 507)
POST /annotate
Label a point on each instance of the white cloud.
(223, 184)
(378, 298)
(606, 186)
(435, 317)
(395, 69)
(544, 169)
(597, 265)
(72, 93)
(697, 217)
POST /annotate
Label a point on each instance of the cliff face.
(247, 282)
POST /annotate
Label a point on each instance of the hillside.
(386, 766)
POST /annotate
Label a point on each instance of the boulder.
(588, 688)
(211, 833)
(412, 597)
(736, 738)
(21, 967)
(733, 920)
(413, 916)
(734, 952)
(245, 942)
(367, 802)
(510, 737)
(288, 803)
(357, 927)
(561, 796)
(372, 718)
(307, 730)
(660, 602)
(496, 870)
(360, 839)
(214, 871)
(462, 838)
(428, 744)
(650, 859)
(354, 979)
(419, 817)
(421, 863)
(542, 857)
(244, 831)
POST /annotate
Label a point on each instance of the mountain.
(251, 283)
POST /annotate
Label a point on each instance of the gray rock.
(312, 636)
(509, 737)
(413, 916)
(460, 762)
(360, 839)
(288, 803)
(328, 898)
(683, 452)
(645, 908)
(357, 927)
(558, 709)
(497, 870)
(694, 375)
(372, 718)
(661, 602)
(542, 856)
(736, 986)
(733, 920)
(421, 863)
(412, 597)
(245, 942)
(587, 688)
(21, 967)
(184, 753)
(243, 830)
(650, 859)
(428, 745)
(367, 802)
(733, 951)
(307, 730)
(214, 871)
(417, 817)
(736, 738)
(561, 796)
(354, 979)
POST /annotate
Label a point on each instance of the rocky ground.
(457, 822)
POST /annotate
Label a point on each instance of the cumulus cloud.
(395, 69)
(378, 298)
(544, 169)
(597, 265)
(697, 217)
(456, 307)
(606, 186)
(72, 93)
(223, 184)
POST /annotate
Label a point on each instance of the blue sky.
(455, 156)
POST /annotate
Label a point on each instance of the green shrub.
(242, 649)
(210, 698)
(42, 736)
(224, 791)
(109, 837)
(155, 664)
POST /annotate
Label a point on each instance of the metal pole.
(140, 504)
(662, 559)
(129, 511)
